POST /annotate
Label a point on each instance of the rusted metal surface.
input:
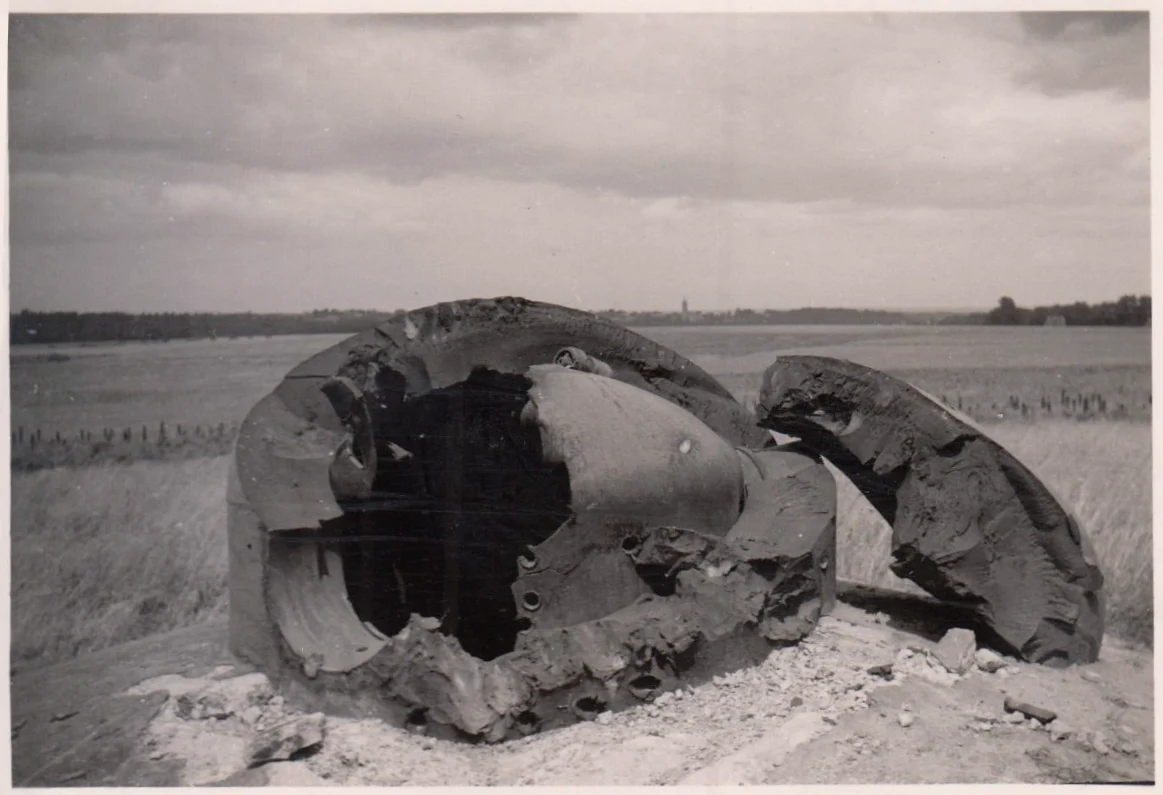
(490, 518)
(970, 522)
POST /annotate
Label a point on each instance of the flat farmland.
(68, 389)
(139, 547)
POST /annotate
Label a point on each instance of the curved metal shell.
(288, 441)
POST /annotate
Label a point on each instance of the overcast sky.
(175, 163)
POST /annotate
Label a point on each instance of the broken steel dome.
(493, 517)
(436, 524)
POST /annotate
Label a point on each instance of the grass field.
(106, 553)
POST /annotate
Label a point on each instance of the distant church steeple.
(684, 308)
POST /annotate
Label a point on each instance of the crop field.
(116, 538)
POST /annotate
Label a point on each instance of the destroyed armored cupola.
(494, 517)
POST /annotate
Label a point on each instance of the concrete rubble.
(283, 740)
(742, 727)
(957, 650)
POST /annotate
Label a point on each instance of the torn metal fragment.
(970, 522)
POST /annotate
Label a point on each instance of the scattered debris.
(59, 716)
(1091, 676)
(989, 661)
(956, 650)
(1125, 748)
(883, 670)
(1060, 731)
(905, 719)
(222, 698)
(1012, 705)
(284, 739)
(1099, 743)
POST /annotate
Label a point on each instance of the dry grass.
(106, 554)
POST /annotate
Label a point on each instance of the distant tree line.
(28, 327)
(772, 317)
(1129, 310)
(57, 327)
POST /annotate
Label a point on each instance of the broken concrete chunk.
(222, 698)
(1014, 706)
(956, 650)
(284, 739)
(905, 719)
(1099, 743)
(883, 670)
(1060, 731)
(988, 660)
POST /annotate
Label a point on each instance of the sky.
(776, 160)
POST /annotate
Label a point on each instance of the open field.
(69, 389)
(103, 554)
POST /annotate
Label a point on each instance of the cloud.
(796, 107)
(1081, 52)
(402, 132)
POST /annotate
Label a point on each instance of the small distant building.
(1056, 320)
(685, 312)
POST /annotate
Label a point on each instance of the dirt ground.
(177, 710)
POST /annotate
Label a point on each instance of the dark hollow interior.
(461, 490)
